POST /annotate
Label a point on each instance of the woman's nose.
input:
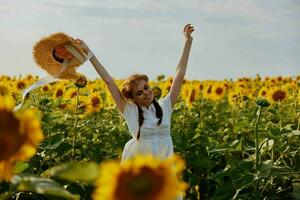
(146, 94)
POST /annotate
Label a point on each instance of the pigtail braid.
(141, 121)
(158, 112)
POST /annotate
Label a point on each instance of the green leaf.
(275, 131)
(265, 168)
(53, 142)
(226, 191)
(296, 190)
(244, 181)
(294, 133)
(41, 186)
(20, 167)
(75, 172)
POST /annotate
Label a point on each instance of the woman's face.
(62, 53)
(143, 94)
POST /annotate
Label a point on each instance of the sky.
(232, 38)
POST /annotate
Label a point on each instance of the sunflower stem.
(75, 125)
(257, 151)
(48, 133)
(298, 126)
(201, 111)
(208, 172)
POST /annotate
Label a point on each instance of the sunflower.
(233, 98)
(263, 92)
(218, 92)
(93, 86)
(279, 79)
(70, 93)
(190, 97)
(207, 93)
(188, 94)
(29, 79)
(63, 106)
(184, 93)
(226, 85)
(20, 85)
(140, 178)
(4, 90)
(277, 94)
(94, 102)
(46, 88)
(59, 92)
(201, 87)
(19, 135)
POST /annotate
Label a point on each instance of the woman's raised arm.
(112, 86)
(181, 67)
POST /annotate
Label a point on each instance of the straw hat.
(43, 55)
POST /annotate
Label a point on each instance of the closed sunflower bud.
(262, 103)
(81, 81)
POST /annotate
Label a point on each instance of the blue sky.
(232, 38)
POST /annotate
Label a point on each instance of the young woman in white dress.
(148, 120)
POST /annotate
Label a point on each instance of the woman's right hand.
(84, 46)
(187, 31)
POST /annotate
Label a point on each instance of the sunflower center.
(20, 85)
(95, 101)
(145, 185)
(45, 88)
(278, 95)
(219, 91)
(192, 97)
(209, 90)
(59, 93)
(3, 90)
(10, 137)
(201, 87)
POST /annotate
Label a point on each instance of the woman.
(148, 120)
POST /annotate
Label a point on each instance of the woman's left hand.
(187, 31)
(84, 46)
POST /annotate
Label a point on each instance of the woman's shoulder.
(130, 109)
(165, 102)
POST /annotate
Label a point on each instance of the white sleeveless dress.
(155, 140)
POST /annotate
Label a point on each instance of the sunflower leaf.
(43, 186)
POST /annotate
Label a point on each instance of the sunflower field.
(233, 139)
